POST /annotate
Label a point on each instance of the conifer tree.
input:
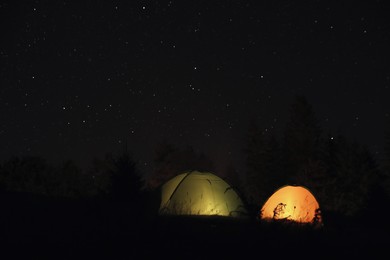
(301, 141)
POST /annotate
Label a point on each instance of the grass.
(66, 229)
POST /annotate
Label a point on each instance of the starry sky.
(79, 79)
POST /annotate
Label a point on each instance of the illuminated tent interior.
(200, 193)
(295, 203)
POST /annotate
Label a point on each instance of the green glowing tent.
(200, 193)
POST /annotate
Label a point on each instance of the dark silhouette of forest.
(112, 201)
(344, 175)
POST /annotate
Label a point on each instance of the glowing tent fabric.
(200, 193)
(294, 203)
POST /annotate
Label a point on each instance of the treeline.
(114, 176)
(343, 174)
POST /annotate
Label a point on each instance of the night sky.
(79, 79)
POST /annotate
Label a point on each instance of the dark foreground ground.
(61, 229)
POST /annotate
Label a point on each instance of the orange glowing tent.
(295, 203)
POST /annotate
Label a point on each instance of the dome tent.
(295, 203)
(200, 193)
